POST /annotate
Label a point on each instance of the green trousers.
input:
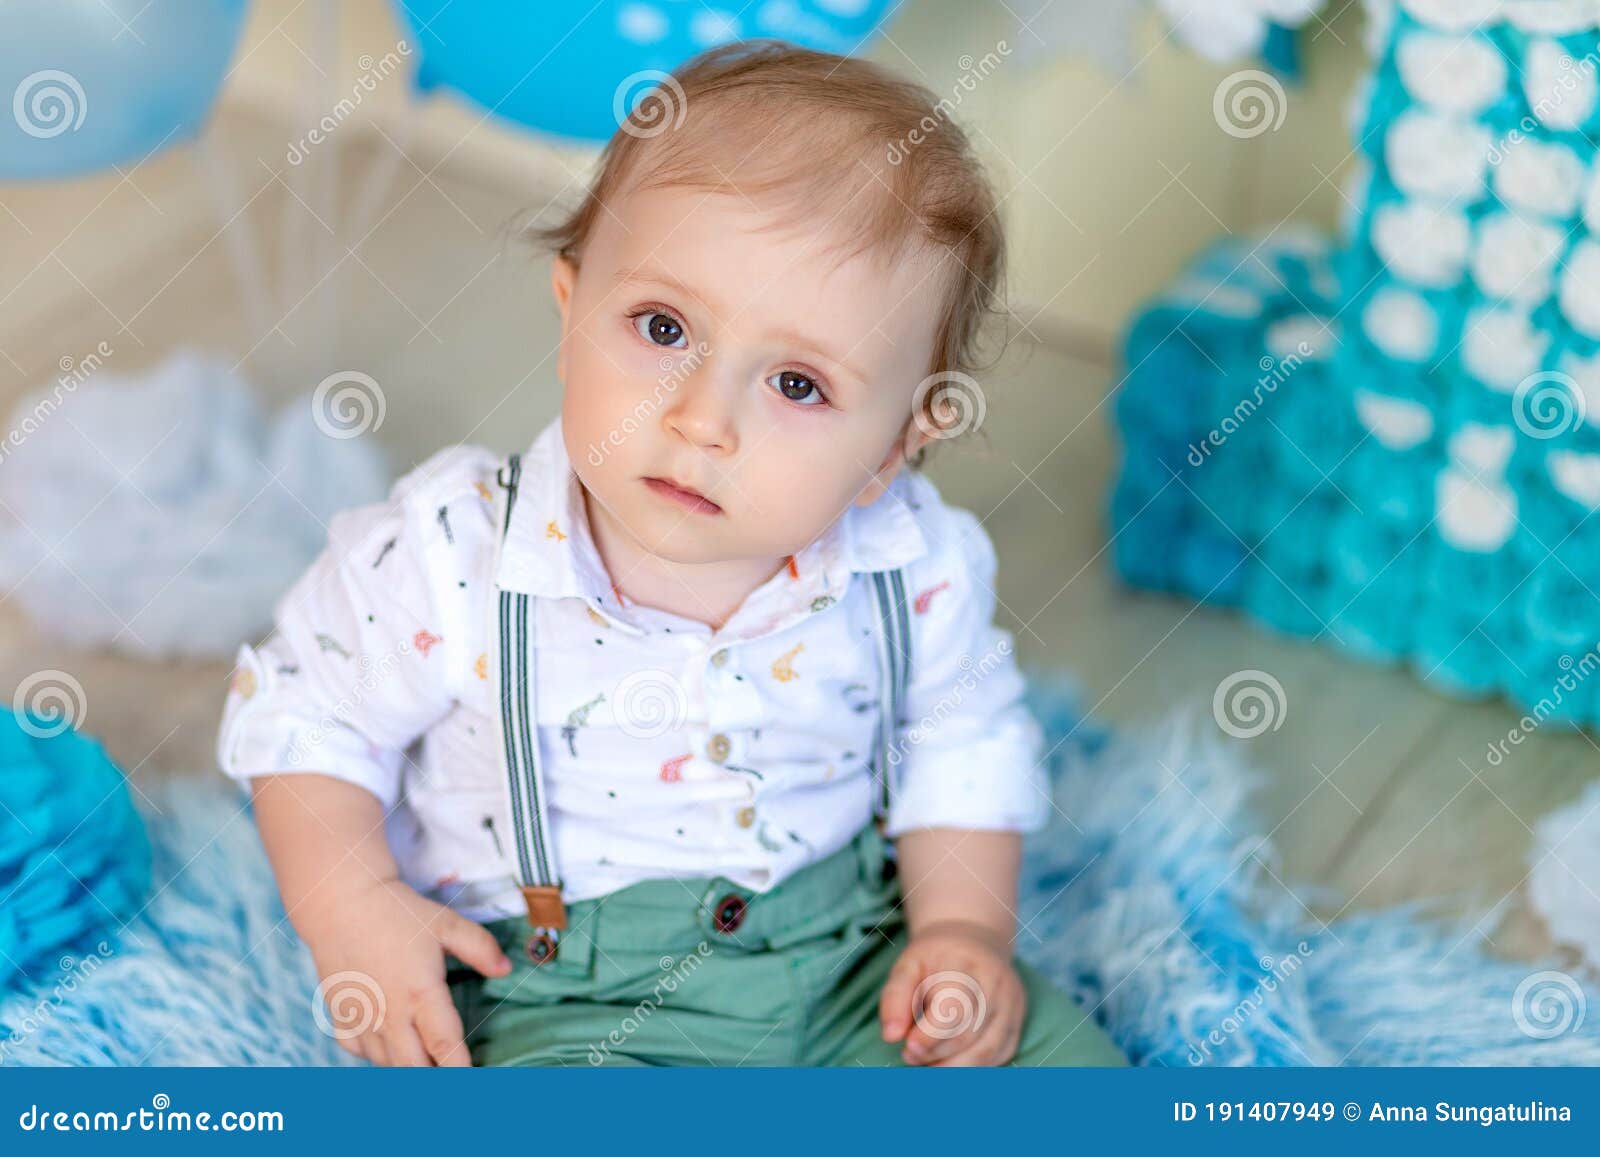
(704, 972)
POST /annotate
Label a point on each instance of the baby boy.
(685, 735)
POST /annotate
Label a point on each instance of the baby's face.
(703, 347)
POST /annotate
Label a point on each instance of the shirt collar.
(548, 550)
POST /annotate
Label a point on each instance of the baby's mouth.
(683, 496)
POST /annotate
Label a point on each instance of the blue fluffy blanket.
(1151, 901)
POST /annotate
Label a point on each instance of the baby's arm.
(968, 780)
(960, 890)
(343, 894)
(367, 655)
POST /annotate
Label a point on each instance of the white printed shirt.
(376, 673)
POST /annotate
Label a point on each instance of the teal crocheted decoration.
(74, 858)
(1392, 442)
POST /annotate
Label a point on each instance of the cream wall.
(1111, 181)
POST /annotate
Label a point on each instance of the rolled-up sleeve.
(969, 753)
(357, 665)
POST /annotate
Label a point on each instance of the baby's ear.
(912, 438)
(563, 276)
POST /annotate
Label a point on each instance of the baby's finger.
(404, 1045)
(372, 1045)
(949, 1009)
(439, 1025)
(894, 1002)
(473, 944)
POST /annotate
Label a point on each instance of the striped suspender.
(517, 656)
(894, 665)
(519, 747)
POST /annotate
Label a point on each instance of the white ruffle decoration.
(1580, 287)
(1576, 475)
(1455, 74)
(1451, 15)
(1430, 154)
(1422, 243)
(1515, 258)
(1501, 347)
(161, 514)
(1476, 510)
(1401, 324)
(1542, 178)
(1397, 423)
(1564, 864)
(1561, 94)
(1585, 376)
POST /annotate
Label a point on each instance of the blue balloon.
(95, 83)
(576, 70)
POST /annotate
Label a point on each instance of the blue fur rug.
(1151, 905)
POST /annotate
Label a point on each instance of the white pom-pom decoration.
(1501, 347)
(1542, 178)
(1560, 92)
(1514, 258)
(1422, 243)
(1397, 423)
(1580, 287)
(1401, 324)
(1455, 74)
(1433, 155)
(1452, 15)
(1474, 513)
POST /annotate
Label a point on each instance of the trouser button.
(541, 947)
(729, 912)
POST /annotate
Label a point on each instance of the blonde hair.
(832, 136)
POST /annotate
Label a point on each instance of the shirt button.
(718, 746)
(719, 657)
(746, 816)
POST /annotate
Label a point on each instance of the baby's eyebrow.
(792, 336)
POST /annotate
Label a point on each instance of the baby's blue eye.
(795, 387)
(661, 328)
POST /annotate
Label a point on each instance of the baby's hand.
(954, 997)
(380, 952)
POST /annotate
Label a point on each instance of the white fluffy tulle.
(161, 512)
(1228, 31)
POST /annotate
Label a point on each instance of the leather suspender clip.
(545, 909)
